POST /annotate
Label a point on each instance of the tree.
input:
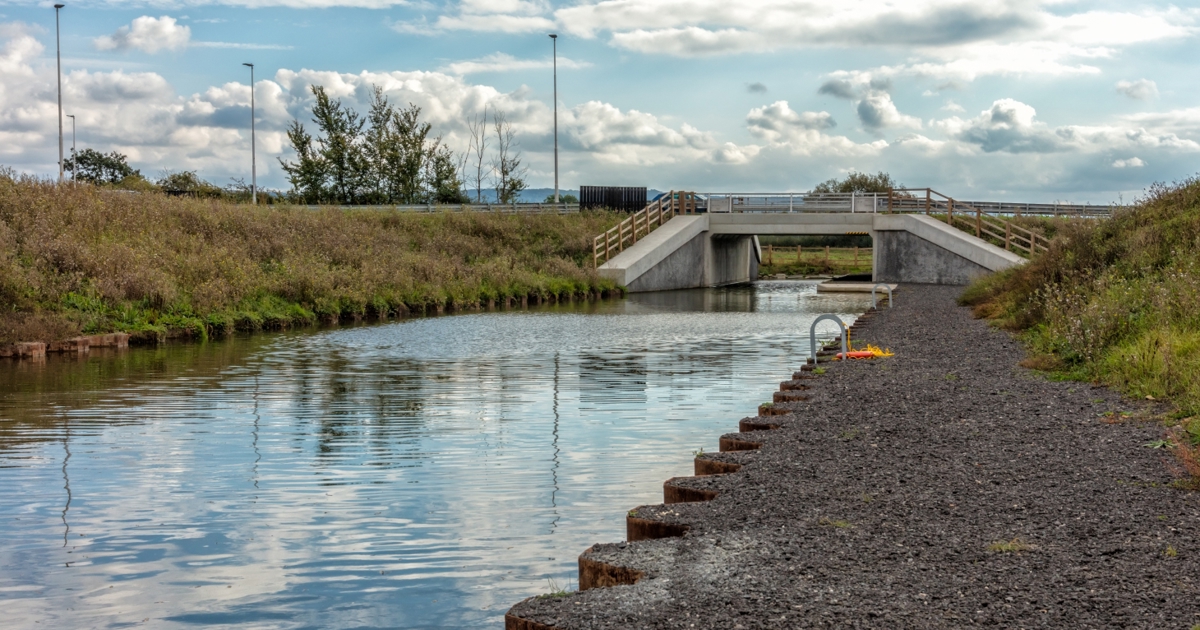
(507, 172)
(94, 167)
(384, 157)
(562, 199)
(307, 174)
(476, 154)
(441, 176)
(340, 149)
(858, 183)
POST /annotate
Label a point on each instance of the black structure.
(622, 198)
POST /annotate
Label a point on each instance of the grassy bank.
(86, 260)
(815, 260)
(1116, 301)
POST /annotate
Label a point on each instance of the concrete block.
(25, 350)
(76, 344)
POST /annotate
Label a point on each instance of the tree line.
(384, 157)
(388, 156)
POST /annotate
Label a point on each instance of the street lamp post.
(554, 40)
(74, 166)
(253, 164)
(58, 54)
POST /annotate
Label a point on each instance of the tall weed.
(83, 259)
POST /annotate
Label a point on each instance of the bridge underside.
(718, 249)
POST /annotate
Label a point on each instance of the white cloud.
(501, 62)
(1142, 89)
(1009, 126)
(148, 34)
(802, 133)
(1132, 162)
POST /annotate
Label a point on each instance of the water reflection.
(422, 474)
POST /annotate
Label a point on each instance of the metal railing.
(899, 200)
(640, 224)
(533, 208)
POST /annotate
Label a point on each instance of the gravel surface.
(943, 487)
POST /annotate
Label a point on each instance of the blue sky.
(1053, 100)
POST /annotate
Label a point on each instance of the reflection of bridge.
(919, 235)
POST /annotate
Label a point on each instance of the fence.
(641, 223)
(970, 219)
(622, 198)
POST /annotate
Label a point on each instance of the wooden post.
(978, 223)
(797, 255)
(1007, 236)
(928, 201)
(770, 255)
(891, 192)
(826, 255)
(949, 212)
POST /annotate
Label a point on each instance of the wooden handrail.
(984, 224)
(640, 224)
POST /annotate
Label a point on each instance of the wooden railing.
(640, 224)
(970, 219)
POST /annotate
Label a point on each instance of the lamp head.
(59, 6)
(248, 65)
(553, 36)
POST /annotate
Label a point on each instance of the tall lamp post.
(58, 54)
(253, 165)
(554, 41)
(74, 166)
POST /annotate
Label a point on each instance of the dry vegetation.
(85, 259)
(1118, 302)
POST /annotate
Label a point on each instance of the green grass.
(80, 259)
(813, 261)
(1113, 301)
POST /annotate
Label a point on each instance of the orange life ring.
(857, 354)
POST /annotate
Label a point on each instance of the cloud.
(802, 133)
(778, 118)
(877, 111)
(1141, 90)
(147, 34)
(240, 46)
(839, 88)
(756, 88)
(1007, 126)
(502, 62)
(1132, 162)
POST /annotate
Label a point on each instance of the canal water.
(421, 474)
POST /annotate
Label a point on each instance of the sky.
(1024, 100)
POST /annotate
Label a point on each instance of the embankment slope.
(86, 260)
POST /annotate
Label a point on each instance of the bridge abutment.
(722, 248)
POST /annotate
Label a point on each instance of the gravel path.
(944, 487)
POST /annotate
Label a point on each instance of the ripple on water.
(425, 474)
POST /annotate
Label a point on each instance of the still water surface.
(422, 474)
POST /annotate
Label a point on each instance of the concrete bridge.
(712, 240)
